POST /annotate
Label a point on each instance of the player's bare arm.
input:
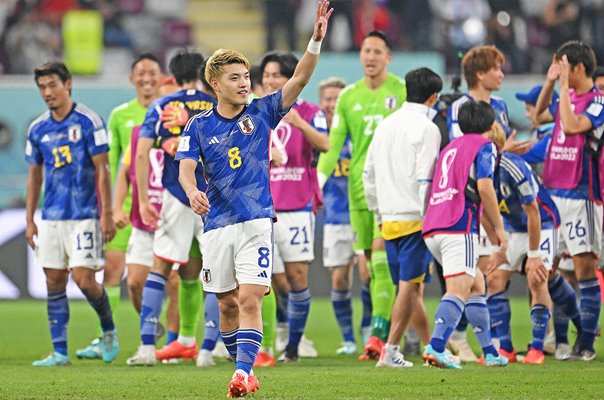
(101, 166)
(309, 60)
(534, 264)
(541, 113)
(120, 218)
(573, 124)
(494, 226)
(317, 140)
(34, 187)
(186, 176)
(149, 214)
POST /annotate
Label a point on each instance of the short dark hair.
(421, 84)
(475, 117)
(145, 56)
(186, 66)
(287, 62)
(380, 35)
(255, 76)
(598, 72)
(577, 53)
(52, 68)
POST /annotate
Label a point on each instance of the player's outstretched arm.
(34, 187)
(101, 166)
(186, 176)
(308, 62)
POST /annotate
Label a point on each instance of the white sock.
(186, 340)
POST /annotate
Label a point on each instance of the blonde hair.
(332, 82)
(219, 59)
(497, 135)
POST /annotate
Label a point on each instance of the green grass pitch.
(24, 337)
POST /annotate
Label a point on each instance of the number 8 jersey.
(235, 156)
(66, 148)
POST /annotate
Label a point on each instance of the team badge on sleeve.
(74, 133)
(246, 125)
(101, 137)
(391, 102)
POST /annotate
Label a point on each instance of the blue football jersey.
(235, 155)
(194, 102)
(589, 185)
(66, 148)
(517, 185)
(498, 106)
(335, 191)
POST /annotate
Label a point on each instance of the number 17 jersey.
(235, 156)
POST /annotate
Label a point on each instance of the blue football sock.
(493, 304)
(447, 317)
(500, 319)
(565, 299)
(591, 302)
(540, 318)
(171, 336)
(230, 342)
(212, 316)
(298, 308)
(367, 308)
(103, 310)
(342, 307)
(248, 344)
(153, 298)
(560, 325)
(478, 315)
(58, 317)
(282, 304)
(462, 326)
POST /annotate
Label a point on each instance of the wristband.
(533, 254)
(495, 249)
(314, 47)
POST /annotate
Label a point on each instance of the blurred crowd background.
(528, 31)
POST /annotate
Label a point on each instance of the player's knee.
(135, 287)
(229, 307)
(250, 306)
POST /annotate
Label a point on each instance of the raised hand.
(321, 20)
(564, 70)
(553, 73)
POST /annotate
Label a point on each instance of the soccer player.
(233, 141)
(571, 173)
(463, 181)
(406, 140)
(360, 108)
(176, 225)
(67, 147)
(482, 69)
(145, 76)
(295, 194)
(338, 252)
(531, 220)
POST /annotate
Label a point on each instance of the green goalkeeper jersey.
(358, 111)
(121, 121)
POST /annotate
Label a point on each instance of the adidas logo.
(439, 321)
(45, 139)
(262, 275)
(305, 250)
(478, 329)
(210, 324)
(214, 140)
(357, 107)
(89, 256)
(582, 243)
(151, 320)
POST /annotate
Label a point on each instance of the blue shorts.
(408, 259)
